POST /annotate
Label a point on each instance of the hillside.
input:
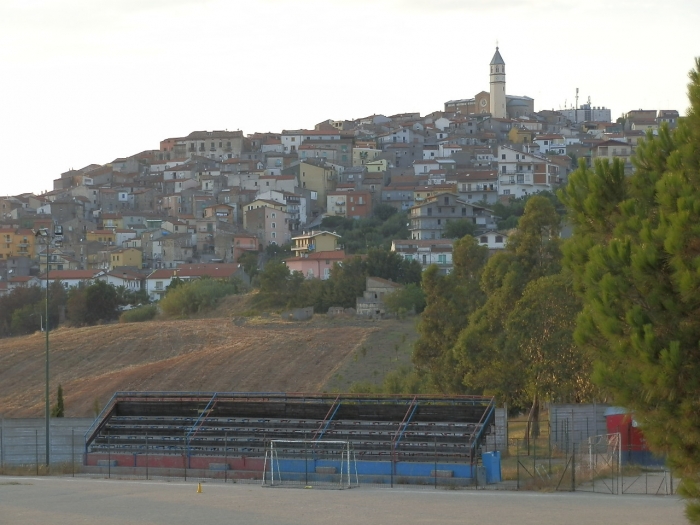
(211, 354)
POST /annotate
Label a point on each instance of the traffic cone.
(199, 488)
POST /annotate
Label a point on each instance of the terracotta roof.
(71, 274)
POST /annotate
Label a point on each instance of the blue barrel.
(492, 464)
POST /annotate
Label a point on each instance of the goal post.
(294, 462)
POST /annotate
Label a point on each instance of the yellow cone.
(199, 488)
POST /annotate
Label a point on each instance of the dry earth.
(184, 355)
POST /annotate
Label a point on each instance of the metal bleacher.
(408, 428)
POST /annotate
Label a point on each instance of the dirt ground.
(63, 501)
(265, 354)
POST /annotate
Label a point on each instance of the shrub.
(197, 296)
(139, 315)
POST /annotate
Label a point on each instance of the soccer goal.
(292, 462)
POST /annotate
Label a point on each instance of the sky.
(85, 82)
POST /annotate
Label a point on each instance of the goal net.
(304, 462)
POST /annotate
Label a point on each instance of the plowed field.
(186, 355)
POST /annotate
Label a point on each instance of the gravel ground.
(62, 501)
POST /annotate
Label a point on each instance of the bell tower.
(498, 86)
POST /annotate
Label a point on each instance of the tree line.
(23, 310)
(612, 313)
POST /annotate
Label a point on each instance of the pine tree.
(636, 255)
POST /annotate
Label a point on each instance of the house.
(270, 224)
(128, 278)
(426, 252)
(523, 173)
(102, 236)
(477, 185)
(371, 304)
(125, 257)
(72, 278)
(17, 242)
(349, 204)
(22, 281)
(315, 265)
(612, 149)
(261, 203)
(493, 240)
(158, 281)
(222, 212)
(429, 219)
(315, 175)
(244, 242)
(321, 241)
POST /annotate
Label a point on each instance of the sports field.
(62, 501)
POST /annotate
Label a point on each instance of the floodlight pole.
(48, 409)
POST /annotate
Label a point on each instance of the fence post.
(184, 458)
(517, 464)
(146, 455)
(72, 450)
(2, 447)
(225, 456)
(573, 467)
(391, 464)
(549, 446)
(36, 450)
(435, 456)
(109, 456)
(306, 463)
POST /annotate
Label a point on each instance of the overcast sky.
(86, 81)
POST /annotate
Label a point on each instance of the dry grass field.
(208, 354)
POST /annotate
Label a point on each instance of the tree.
(456, 229)
(101, 302)
(249, 261)
(57, 410)
(485, 359)
(407, 299)
(540, 343)
(384, 211)
(636, 262)
(450, 300)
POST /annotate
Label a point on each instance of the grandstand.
(400, 429)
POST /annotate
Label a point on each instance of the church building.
(495, 101)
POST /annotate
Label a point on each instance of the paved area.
(62, 501)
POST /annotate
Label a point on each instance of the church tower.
(498, 86)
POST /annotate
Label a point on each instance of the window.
(447, 200)
(464, 212)
(442, 259)
(484, 239)
(499, 238)
(274, 225)
(159, 285)
(274, 235)
(503, 156)
(274, 215)
(506, 192)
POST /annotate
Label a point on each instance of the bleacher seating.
(408, 428)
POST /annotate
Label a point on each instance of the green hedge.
(139, 315)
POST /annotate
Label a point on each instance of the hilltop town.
(193, 206)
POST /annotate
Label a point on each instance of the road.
(63, 501)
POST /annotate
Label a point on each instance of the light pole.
(44, 234)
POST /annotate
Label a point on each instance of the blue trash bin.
(492, 464)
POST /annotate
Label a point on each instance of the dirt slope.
(186, 355)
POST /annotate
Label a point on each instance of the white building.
(521, 173)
